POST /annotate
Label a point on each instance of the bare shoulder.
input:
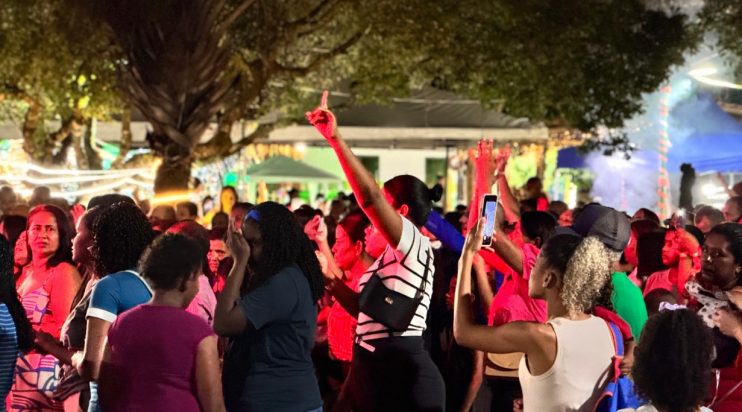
(66, 272)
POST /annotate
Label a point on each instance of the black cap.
(607, 224)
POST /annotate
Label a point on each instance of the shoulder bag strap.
(421, 290)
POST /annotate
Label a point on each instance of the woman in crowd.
(388, 360)
(672, 367)
(630, 259)
(275, 321)
(158, 356)
(73, 390)
(46, 287)
(15, 329)
(119, 235)
(11, 228)
(21, 255)
(569, 274)
(227, 199)
(721, 272)
(349, 260)
(218, 260)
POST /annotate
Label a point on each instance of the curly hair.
(284, 243)
(171, 260)
(672, 362)
(120, 235)
(9, 297)
(585, 265)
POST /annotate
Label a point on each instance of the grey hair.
(587, 272)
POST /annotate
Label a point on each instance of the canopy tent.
(281, 169)
(707, 137)
(429, 118)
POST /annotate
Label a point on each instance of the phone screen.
(489, 212)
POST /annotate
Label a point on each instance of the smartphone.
(489, 212)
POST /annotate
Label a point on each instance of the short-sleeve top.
(280, 374)
(152, 360)
(402, 269)
(117, 293)
(8, 352)
(512, 302)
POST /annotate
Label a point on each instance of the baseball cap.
(607, 224)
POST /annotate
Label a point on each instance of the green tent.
(282, 169)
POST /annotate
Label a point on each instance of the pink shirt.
(659, 280)
(152, 363)
(512, 302)
(204, 304)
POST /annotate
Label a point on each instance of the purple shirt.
(152, 364)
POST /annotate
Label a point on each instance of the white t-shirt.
(402, 270)
(581, 368)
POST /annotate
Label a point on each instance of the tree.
(722, 18)
(54, 69)
(185, 63)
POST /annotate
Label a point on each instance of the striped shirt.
(402, 270)
(8, 352)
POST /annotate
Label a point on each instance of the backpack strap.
(610, 385)
(618, 349)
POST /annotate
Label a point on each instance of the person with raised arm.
(391, 370)
(569, 274)
(269, 367)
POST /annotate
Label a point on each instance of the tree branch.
(321, 58)
(314, 15)
(236, 13)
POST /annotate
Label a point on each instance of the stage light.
(704, 74)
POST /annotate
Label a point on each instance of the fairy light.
(663, 180)
(74, 172)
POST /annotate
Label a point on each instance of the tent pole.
(445, 180)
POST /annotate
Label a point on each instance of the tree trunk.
(125, 138)
(174, 173)
(70, 126)
(94, 161)
(31, 124)
(77, 144)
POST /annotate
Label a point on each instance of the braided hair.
(284, 244)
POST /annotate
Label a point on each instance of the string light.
(169, 198)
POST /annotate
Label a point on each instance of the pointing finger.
(323, 102)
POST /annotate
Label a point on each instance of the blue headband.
(254, 215)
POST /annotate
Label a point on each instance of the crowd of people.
(381, 303)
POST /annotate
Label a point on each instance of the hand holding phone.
(489, 212)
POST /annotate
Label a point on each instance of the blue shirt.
(448, 235)
(281, 373)
(117, 293)
(112, 296)
(8, 352)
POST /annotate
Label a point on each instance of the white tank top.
(579, 373)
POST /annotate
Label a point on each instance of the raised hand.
(501, 160)
(323, 120)
(473, 243)
(238, 246)
(77, 211)
(316, 230)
